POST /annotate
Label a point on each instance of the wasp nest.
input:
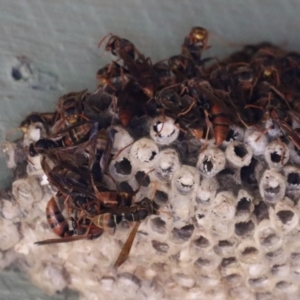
(192, 168)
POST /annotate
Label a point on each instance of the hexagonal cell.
(277, 154)
(206, 191)
(267, 236)
(144, 153)
(223, 207)
(167, 164)
(256, 140)
(163, 130)
(183, 234)
(239, 154)
(249, 253)
(225, 248)
(158, 225)
(185, 180)
(284, 216)
(245, 229)
(160, 247)
(211, 161)
(272, 186)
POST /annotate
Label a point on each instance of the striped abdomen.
(107, 220)
(56, 220)
(113, 199)
(77, 134)
(220, 124)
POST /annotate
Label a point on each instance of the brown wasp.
(212, 102)
(69, 110)
(41, 121)
(135, 213)
(113, 78)
(139, 67)
(163, 73)
(46, 119)
(116, 45)
(60, 226)
(195, 43)
(182, 67)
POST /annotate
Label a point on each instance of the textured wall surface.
(14, 285)
(59, 40)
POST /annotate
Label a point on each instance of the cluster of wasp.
(185, 102)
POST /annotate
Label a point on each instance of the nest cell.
(267, 236)
(277, 154)
(272, 186)
(238, 154)
(163, 130)
(167, 164)
(256, 140)
(211, 161)
(244, 205)
(144, 153)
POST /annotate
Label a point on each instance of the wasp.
(163, 74)
(56, 220)
(35, 125)
(195, 43)
(116, 45)
(278, 113)
(112, 199)
(113, 78)
(220, 121)
(143, 73)
(70, 110)
(139, 67)
(71, 136)
(75, 134)
(67, 178)
(46, 119)
(60, 226)
(128, 106)
(170, 102)
(244, 77)
(182, 67)
(99, 147)
(213, 103)
(41, 147)
(109, 71)
(136, 213)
